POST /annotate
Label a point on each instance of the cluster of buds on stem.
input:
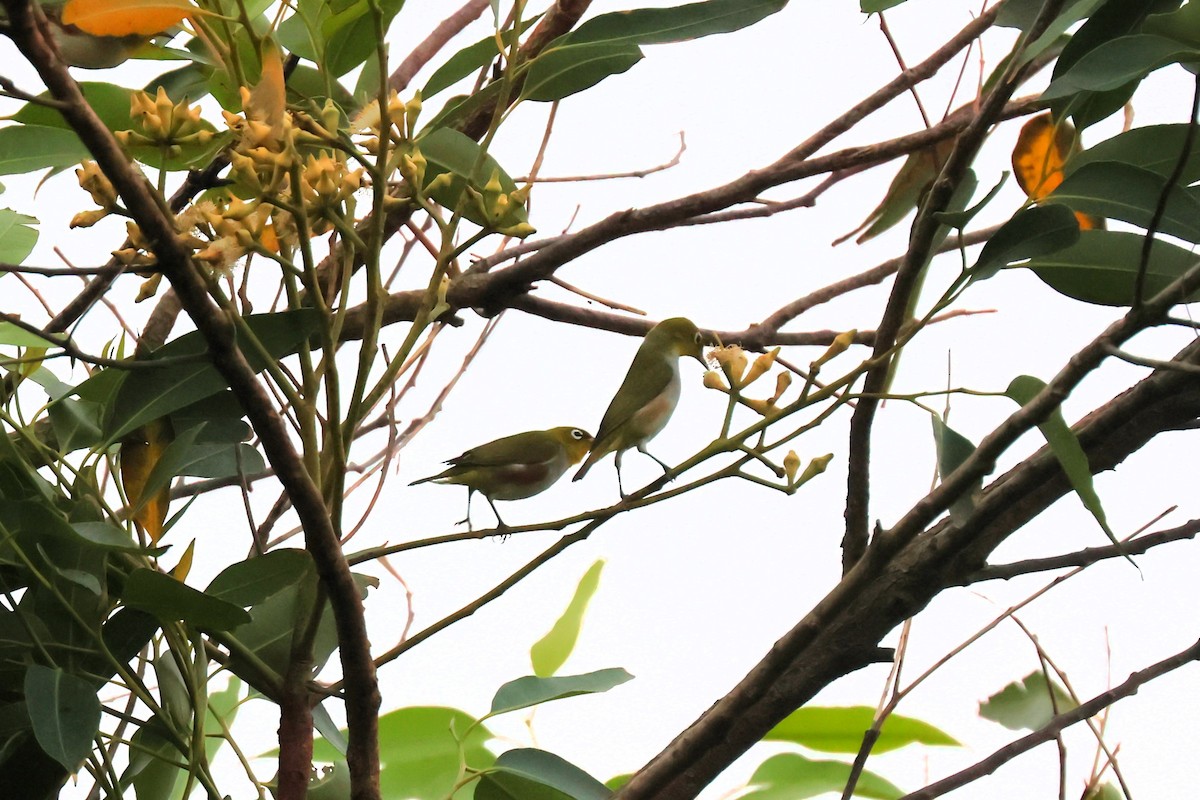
(97, 184)
(733, 362)
(501, 211)
(164, 124)
(791, 467)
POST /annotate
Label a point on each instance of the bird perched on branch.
(514, 467)
(648, 395)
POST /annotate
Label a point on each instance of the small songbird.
(79, 48)
(514, 467)
(648, 395)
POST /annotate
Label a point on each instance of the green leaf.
(675, 24)
(17, 238)
(1182, 25)
(563, 71)
(1027, 705)
(1032, 232)
(190, 83)
(1057, 30)
(531, 774)
(1105, 791)
(791, 776)
(1117, 63)
(1154, 147)
(833, 729)
(532, 690)
(172, 462)
(468, 61)
(250, 582)
(448, 150)
(551, 651)
(152, 769)
(106, 536)
(1066, 448)
(27, 148)
(65, 713)
(960, 219)
(19, 337)
(76, 423)
(873, 6)
(1131, 194)
(350, 35)
(1102, 267)
(145, 394)
(169, 600)
(420, 751)
(952, 450)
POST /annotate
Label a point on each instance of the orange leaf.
(1042, 149)
(184, 566)
(125, 17)
(140, 451)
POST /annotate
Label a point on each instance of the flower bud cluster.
(164, 124)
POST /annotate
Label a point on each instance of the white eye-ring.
(577, 434)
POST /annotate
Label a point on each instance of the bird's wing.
(653, 374)
(520, 448)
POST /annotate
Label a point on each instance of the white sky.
(696, 590)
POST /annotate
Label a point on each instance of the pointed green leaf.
(1031, 232)
(563, 71)
(1027, 705)
(960, 219)
(791, 776)
(469, 61)
(675, 24)
(448, 150)
(65, 713)
(532, 690)
(17, 238)
(551, 651)
(1156, 148)
(1118, 62)
(833, 729)
(250, 582)
(1131, 194)
(169, 600)
(531, 774)
(952, 450)
(1066, 448)
(1102, 267)
(28, 148)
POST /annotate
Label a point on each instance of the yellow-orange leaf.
(126, 17)
(184, 566)
(1042, 149)
(268, 99)
(140, 451)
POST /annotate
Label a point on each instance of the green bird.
(514, 467)
(648, 395)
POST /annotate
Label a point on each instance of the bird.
(80, 48)
(514, 467)
(648, 395)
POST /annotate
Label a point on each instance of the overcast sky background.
(696, 590)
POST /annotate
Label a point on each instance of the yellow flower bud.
(782, 382)
(86, 219)
(412, 110)
(791, 465)
(841, 343)
(713, 380)
(765, 407)
(760, 366)
(815, 468)
(149, 288)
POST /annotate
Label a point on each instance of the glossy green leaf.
(1105, 791)
(531, 774)
(873, 6)
(152, 769)
(17, 238)
(833, 729)
(1156, 148)
(1055, 34)
(106, 535)
(1182, 25)
(675, 24)
(1066, 448)
(19, 337)
(65, 713)
(1131, 194)
(350, 34)
(447, 150)
(1032, 232)
(532, 690)
(1027, 705)
(960, 219)
(190, 83)
(76, 423)
(250, 582)
(551, 651)
(219, 460)
(1117, 63)
(952, 450)
(420, 752)
(563, 71)
(791, 776)
(27, 148)
(1102, 267)
(169, 600)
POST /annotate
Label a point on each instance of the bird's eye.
(699, 338)
(577, 434)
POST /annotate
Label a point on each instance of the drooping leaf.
(126, 17)
(832, 729)
(952, 449)
(350, 35)
(169, 600)
(551, 651)
(791, 776)
(447, 150)
(65, 713)
(532, 774)
(27, 148)
(1042, 149)
(470, 60)
(141, 451)
(532, 690)
(1027, 705)
(1156, 148)
(1182, 25)
(563, 71)
(1102, 267)
(1118, 63)
(905, 192)
(1066, 448)
(250, 582)
(873, 6)
(645, 26)
(1031, 232)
